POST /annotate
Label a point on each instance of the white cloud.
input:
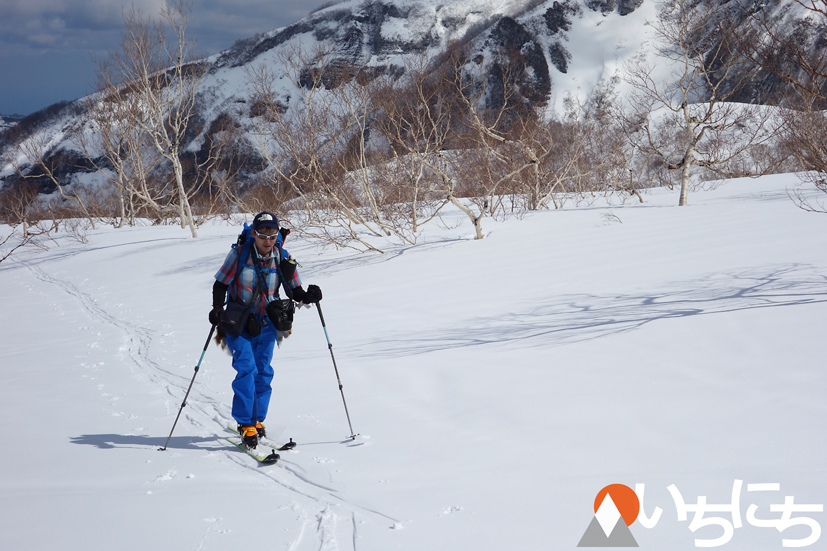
(56, 24)
(32, 30)
(93, 8)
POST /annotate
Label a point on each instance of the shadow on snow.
(575, 318)
(113, 441)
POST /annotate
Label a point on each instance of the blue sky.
(47, 47)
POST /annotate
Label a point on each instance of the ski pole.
(184, 403)
(338, 379)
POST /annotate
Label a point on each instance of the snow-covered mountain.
(567, 47)
(382, 34)
(6, 121)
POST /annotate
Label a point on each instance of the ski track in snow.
(137, 339)
(319, 499)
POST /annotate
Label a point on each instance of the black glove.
(216, 314)
(313, 294)
(298, 294)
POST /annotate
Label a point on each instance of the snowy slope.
(498, 385)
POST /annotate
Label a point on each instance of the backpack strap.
(282, 279)
(260, 280)
(244, 246)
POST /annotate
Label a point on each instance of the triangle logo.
(615, 508)
(621, 536)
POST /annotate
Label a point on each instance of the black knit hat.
(265, 220)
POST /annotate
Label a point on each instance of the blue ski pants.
(251, 360)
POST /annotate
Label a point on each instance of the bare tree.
(36, 235)
(120, 150)
(163, 76)
(9, 244)
(18, 205)
(790, 47)
(542, 157)
(445, 138)
(225, 153)
(493, 122)
(606, 164)
(689, 119)
(324, 141)
(19, 208)
(510, 145)
(463, 132)
(301, 143)
(794, 52)
(40, 157)
(415, 117)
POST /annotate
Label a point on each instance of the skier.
(257, 317)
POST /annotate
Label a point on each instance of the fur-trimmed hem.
(283, 335)
(221, 341)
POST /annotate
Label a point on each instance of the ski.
(267, 442)
(263, 459)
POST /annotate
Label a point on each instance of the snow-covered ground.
(497, 385)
